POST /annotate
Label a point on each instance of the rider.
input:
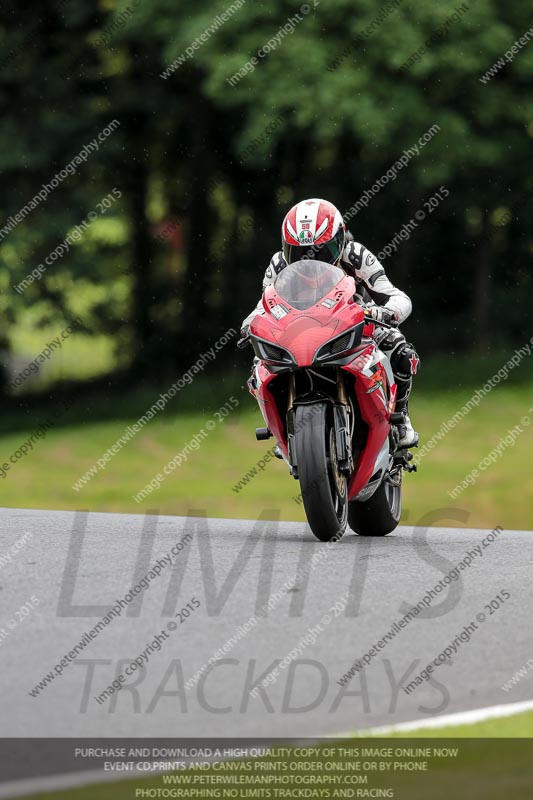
(315, 229)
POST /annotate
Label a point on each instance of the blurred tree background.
(179, 258)
(156, 244)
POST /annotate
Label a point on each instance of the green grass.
(482, 770)
(518, 726)
(503, 495)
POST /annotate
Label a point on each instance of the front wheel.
(381, 513)
(324, 489)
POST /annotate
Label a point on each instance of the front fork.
(291, 432)
(341, 423)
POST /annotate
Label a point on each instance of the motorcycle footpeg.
(262, 433)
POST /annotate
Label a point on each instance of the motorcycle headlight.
(341, 345)
(271, 353)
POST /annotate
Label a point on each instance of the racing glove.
(381, 314)
(245, 337)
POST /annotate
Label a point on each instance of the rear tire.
(380, 514)
(324, 489)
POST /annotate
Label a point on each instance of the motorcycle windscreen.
(305, 283)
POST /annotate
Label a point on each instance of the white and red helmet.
(313, 229)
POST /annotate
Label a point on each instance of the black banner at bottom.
(197, 769)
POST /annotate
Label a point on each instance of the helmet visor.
(329, 252)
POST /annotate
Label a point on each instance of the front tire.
(324, 489)
(381, 513)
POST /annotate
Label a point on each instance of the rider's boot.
(408, 435)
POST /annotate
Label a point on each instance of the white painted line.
(459, 718)
(73, 779)
(55, 783)
(49, 783)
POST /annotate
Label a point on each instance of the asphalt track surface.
(70, 562)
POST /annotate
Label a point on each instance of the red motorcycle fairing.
(302, 333)
(376, 395)
(268, 406)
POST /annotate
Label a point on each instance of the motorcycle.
(327, 394)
